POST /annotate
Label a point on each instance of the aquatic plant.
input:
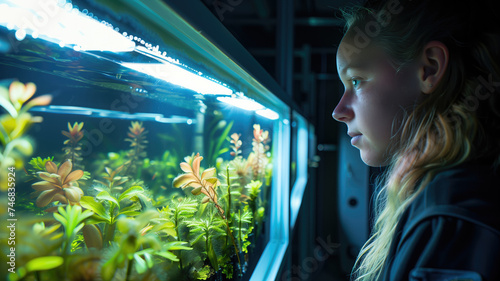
(259, 148)
(14, 145)
(180, 210)
(112, 180)
(107, 208)
(235, 145)
(204, 229)
(40, 241)
(58, 184)
(72, 146)
(218, 133)
(243, 227)
(137, 245)
(71, 218)
(38, 163)
(159, 173)
(253, 189)
(230, 192)
(138, 142)
(203, 184)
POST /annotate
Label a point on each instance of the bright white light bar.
(268, 113)
(100, 113)
(58, 22)
(243, 103)
(179, 76)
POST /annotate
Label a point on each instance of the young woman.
(422, 97)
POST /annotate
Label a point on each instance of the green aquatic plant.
(138, 142)
(38, 164)
(204, 183)
(243, 227)
(230, 192)
(72, 146)
(58, 184)
(112, 180)
(137, 245)
(40, 244)
(107, 208)
(254, 201)
(205, 230)
(160, 172)
(181, 209)
(218, 134)
(71, 218)
(14, 145)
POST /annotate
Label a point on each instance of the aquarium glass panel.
(132, 148)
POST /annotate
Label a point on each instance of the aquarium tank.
(134, 148)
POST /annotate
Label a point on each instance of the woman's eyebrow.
(357, 66)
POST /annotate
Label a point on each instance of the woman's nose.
(343, 111)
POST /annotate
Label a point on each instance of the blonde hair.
(444, 130)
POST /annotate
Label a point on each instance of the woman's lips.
(355, 139)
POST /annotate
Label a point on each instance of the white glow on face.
(246, 104)
(176, 75)
(58, 22)
(268, 113)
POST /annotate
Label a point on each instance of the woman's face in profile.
(375, 97)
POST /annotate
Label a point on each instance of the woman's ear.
(433, 65)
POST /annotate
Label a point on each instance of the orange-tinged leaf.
(186, 168)
(16, 91)
(196, 191)
(212, 181)
(196, 164)
(73, 176)
(59, 197)
(183, 180)
(29, 91)
(73, 193)
(42, 185)
(64, 169)
(209, 173)
(51, 167)
(38, 101)
(52, 178)
(46, 197)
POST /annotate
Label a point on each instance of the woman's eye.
(355, 82)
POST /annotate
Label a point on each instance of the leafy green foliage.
(14, 145)
(138, 142)
(72, 146)
(38, 164)
(132, 229)
(204, 230)
(243, 227)
(218, 134)
(71, 219)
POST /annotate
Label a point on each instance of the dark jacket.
(451, 231)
